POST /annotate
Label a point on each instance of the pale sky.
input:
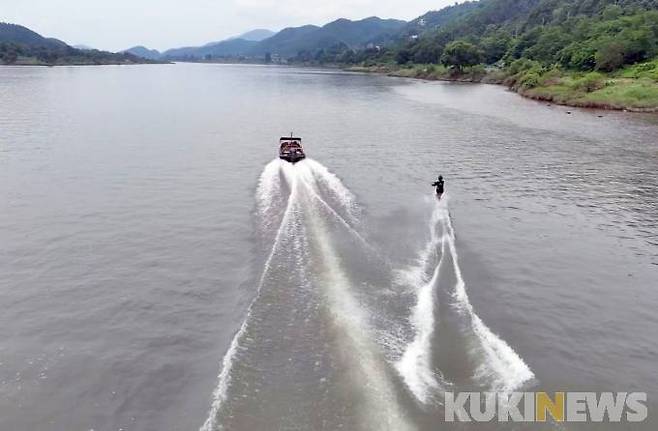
(161, 24)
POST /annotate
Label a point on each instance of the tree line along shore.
(633, 88)
(588, 53)
(598, 54)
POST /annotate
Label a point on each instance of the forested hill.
(437, 18)
(20, 45)
(337, 36)
(581, 34)
(592, 53)
(308, 41)
(141, 51)
(18, 34)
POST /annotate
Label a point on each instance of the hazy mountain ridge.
(286, 38)
(257, 35)
(14, 33)
(142, 51)
(353, 34)
(230, 47)
(493, 24)
(293, 40)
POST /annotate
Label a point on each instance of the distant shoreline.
(115, 63)
(600, 91)
(607, 92)
(617, 92)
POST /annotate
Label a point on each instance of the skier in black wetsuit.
(439, 186)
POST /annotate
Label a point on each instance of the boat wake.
(436, 273)
(415, 365)
(502, 369)
(334, 338)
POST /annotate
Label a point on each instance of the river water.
(150, 242)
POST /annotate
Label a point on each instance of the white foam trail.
(269, 191)
(307, 172)
(224, 378)
(382, 410)
(335, 186)
(416, 275)
(503, 367)
(415, 365)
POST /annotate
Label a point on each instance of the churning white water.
(381, 410)
(132, 246)
(316, 199)
(321, 196)
(415, 365)
(502, 369)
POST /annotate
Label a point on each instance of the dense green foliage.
(11, 53)
(460, 54)
(582, 35)
(589, 53)
(633, 87)
(435, 19)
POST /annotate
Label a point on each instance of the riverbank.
(83, 58)
(36, 62)
(634, 88)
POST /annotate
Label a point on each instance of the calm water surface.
(144, 223)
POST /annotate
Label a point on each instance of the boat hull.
(292, 158)
(290, 149)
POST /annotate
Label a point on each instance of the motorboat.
(290, 149)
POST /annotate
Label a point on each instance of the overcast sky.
(119, 24)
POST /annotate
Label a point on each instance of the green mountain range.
(342, 32)
(226, 48)
(289, 42)
(567, 32)
(590, 53)
(232, 47)
(576, 34)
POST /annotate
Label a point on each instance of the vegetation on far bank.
(594, 53)
(22, 46)
(20, 56)
(633, 88)
(601, 53)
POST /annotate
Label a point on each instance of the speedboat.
(290, 149)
